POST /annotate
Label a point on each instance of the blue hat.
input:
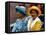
(20, 9)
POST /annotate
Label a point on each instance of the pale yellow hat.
(36, 8)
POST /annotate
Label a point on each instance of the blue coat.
(21, 25)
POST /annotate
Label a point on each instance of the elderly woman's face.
(33, 14)
(19, 15)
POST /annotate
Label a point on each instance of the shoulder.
(38, 20)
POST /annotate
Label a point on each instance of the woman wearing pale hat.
(36, 23)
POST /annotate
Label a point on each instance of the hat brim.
(36, 8)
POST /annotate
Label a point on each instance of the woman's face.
(33, 14)
(19, 15)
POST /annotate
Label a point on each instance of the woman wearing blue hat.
(21, 24)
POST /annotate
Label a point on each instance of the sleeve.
(37, 26)
(17, 26)
(14, 27)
